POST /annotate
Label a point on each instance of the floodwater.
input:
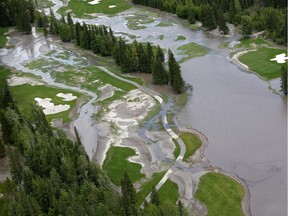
(244, 121)
(246, 127)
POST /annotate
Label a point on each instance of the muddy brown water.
(243, 120)
(246, 127)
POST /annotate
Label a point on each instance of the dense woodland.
(52, 175)
(258, 15)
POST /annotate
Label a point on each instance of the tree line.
(19, 13)
(268, 15)
(52, 175)
(131, 57)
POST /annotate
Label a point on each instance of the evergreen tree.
(284, 79)
(208, 17)
(222, 23)
(154, 197)
(159, 74)
(143, 59)
(160, 54)
(128, 198)
(150, 58)
(246, 25)
(2, 149)
(15, 165)
(176, 80)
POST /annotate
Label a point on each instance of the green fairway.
(192, 143)
(3, 38)
(192, 50)
(24, 96)
(169, 192)
(259, 62)
(221, 194)
(83, 8)
(147, 187)
(249, 42)
(116, 164)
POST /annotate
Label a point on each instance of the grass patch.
(192, 143)
(177, 149)
(116, 164)
(192, 50)
(3, 38)
(164, 24)
(169, 192)
(259, 62)
(221, 194)
(160, 37)
(151, 113)
(146, 188)
(83, 8)
(24, 97)
(182, 99)
(247, 42)
(138, 21)
(180, 38)
(195, 27)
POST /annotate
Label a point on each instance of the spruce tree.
(128, 198)
(159, 74)
(154, 197)
(2, 149)
(176, 80)
(150, 58)
(222, 23)
(160, 54)
(208, 17)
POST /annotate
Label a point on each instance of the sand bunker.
(94, 2)
(15, 81)
(281, 58)
(112, 6)
(67, 97)
(50, 108)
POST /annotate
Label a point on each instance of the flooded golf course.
(242, 119)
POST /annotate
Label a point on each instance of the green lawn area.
(247, 42)
(169, 192)
(259, 62)
(116, 164)
(83, 8)
(221, 194)
(192, 50)
(146, 188)
(24, 96)
(177, 150)
(3, 38)
(192, 143)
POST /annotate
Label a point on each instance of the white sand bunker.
(67, 97)
(94, 2)
(15, 81)
(281, 58)
(50, 108)
(112, 6)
